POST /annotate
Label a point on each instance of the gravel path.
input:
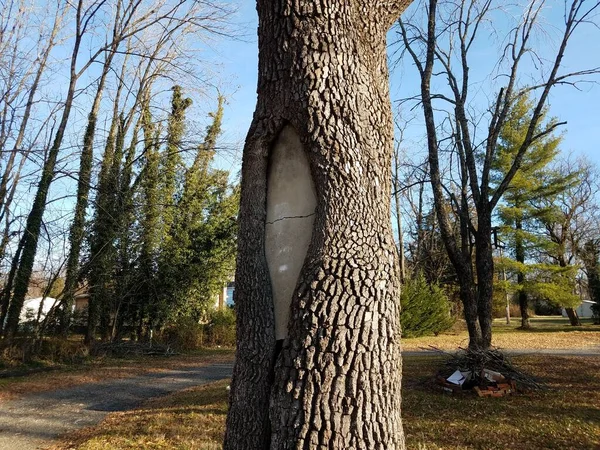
(33, 421)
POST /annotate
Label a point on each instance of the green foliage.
(522, 213)
(221, 327)
(591, 259)
(163, 235)
(425, 308)
(198, 257)
(183, 334)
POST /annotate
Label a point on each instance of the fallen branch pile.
(486, 368)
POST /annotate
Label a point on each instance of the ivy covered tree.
(199, 253)
(162, 239)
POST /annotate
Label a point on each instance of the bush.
(185, 334)
(221, 327)
(52, 350)
(425, 308)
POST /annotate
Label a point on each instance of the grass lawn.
(103, 368)
(552, 332)
(567, 416)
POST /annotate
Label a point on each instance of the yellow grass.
(564, 417)
(546, 333)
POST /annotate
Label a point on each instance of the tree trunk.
(34, 219)
(400, 234)
(484, 261)
(573, 317)
(520, 258)
(323, 93)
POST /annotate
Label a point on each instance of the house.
(225, 297)
(32, 306)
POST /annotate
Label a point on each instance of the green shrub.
(221, 327)
(425, 308)
(184, 334)
(51, 350)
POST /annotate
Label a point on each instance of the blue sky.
(579, 108)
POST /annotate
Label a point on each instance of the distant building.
(583, 310)
(31, 308)
(225, 297)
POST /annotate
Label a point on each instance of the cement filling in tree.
(317, 291)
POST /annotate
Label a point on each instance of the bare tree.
(146, 21)
(573, 218)
(440, 45)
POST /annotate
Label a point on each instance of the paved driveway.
(32, 421)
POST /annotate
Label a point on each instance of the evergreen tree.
(425, 308)
(535, 179)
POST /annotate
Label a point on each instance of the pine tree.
(534, 180)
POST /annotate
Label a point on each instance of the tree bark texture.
(334, 382)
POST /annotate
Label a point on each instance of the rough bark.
(336, 379)
(520, 258)
(484, 262)
(573, 317)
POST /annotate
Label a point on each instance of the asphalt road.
(33, 421)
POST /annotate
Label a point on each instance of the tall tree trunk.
(32, 91)
(323, 96)
(484, 261)
(396, 188)
(8, 286)
(76, 233)
(34, 219)
(520, 258)
(562, 262)
(460, 255)
(102, 249)
(400, 234)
